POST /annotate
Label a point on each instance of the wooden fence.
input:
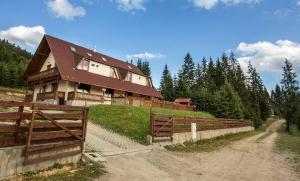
(141, 102)
(167, 125)
(42, 128)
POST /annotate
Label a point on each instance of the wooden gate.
(43, 129)
(161, 127)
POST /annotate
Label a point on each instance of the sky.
(264, 32)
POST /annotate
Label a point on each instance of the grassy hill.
(133, 122)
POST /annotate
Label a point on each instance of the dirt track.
(251, 159)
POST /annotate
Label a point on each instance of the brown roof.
(66, 62)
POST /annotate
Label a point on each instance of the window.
(48, 66)
(104, 59)
(73, 49)
(53, 87)
(93, 65)
(84, 88)
(129, 67)
(97, 66)
(109, 91)
(89, 54)
(44, 88)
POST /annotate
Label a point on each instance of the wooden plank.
(54, 134)
(11, 129)
(58, 125)
(9, 115)
(14, 103)
(50, 125)
(162, 134)
(34, 149)
(52, 157)
(10, 141)
(57, 107)
(54, 116)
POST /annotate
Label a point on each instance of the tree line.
(219, 87)
(13, 63)
(286, 97)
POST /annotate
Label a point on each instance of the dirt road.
(251, 159)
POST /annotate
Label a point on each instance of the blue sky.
(163, 31)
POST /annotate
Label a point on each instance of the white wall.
(138, 79)
(49, 61)
(102, 69)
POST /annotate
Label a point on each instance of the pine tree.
(139, 64)
(182, 88)
(290, 88)
(146, 68)
(188, 70)
(210, 77)
(225, 66)
(277, 99)
(219, 75)
(166, 85)
(229, 104)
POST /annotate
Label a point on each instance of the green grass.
(181, 113)
(210, 144)
(290, 142)
(133, 122)
(80, 172)
(8, 89)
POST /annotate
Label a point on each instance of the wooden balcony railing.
(49, 95)
(29, 98)
(43, 75)
(85, 96)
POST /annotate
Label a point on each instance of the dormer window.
(104, 59)
(73, 49)
(129, 67)
(89, 54)
(48, 66)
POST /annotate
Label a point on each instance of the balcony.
(49, 95)
(50, 73)
(85, 96)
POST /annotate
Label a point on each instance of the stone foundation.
(11, 161)
(187, 136)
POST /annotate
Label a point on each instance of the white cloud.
(64, 9)
(131, 5)
(25, 37)
(208, 4)
(298, 2)
(267, 56)
(145, 56)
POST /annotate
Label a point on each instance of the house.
(184, 101)
(61, 72)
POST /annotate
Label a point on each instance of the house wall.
(36, 90)
(137, 79)
(101, 69)
(49, 61)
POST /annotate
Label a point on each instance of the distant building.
(61, 72)
(184, 101)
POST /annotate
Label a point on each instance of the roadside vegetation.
(290, 142)
(209, 145)
(133, 122)
(71, 172)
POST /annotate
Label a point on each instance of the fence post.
(30, 132)
(18, 121)
(151, 125)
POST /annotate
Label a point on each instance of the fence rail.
(43, 128)
(167, 125)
